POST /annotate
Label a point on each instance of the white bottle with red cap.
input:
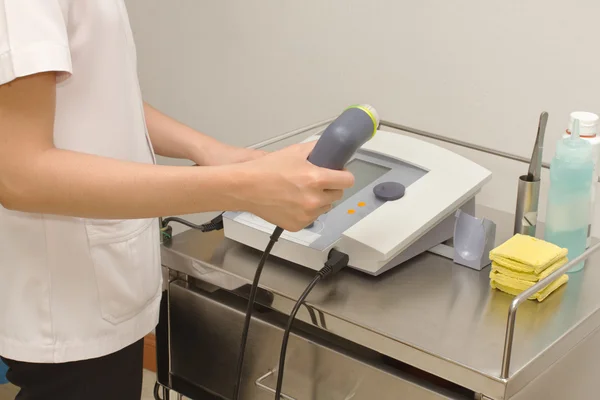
(588, 130)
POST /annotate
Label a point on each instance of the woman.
(80, 194)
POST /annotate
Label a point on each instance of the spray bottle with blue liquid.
(568, 210)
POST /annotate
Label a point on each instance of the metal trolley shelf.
(429, 313)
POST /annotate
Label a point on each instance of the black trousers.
(116, 376)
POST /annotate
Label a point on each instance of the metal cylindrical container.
(526, 213)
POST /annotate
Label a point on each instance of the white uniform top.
(73, 288)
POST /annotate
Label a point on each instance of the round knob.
(389, 191)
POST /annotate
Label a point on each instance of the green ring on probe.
(370, 114)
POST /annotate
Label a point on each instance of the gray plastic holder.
(474, 238)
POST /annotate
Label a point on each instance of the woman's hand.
(234, 155)
(287, 190)
(224, 154)
(171, 138)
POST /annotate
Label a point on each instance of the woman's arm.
(35, 176)
(171, 138)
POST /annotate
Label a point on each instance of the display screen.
(364, 174)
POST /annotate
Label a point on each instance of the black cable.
(155, 391)
(286, 335)
(240, 364)
(336, 261)
(157, 386)
(214, 224)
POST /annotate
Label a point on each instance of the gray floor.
(8, 392)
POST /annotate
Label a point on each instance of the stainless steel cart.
(428, 329)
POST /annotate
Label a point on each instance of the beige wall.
(479, 71)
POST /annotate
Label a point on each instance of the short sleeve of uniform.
(33, 39)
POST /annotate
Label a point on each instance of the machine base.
(442, 232)
(314, 259)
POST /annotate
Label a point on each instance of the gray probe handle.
(342, 138)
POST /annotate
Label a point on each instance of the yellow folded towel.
(522, 261)
(517, 286)
(527, 254)
(528, 276)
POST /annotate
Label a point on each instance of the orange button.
(351, 211)
(362, 204)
